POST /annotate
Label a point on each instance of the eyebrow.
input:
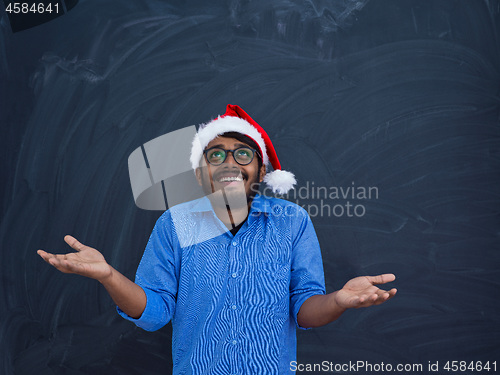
(237, 145)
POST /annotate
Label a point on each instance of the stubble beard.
(235, 197)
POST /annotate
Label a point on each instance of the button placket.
(233, 291)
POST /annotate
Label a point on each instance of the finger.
(385, 296)
(361, 300)
(68, 265)
(381, 279)
(45, 256)
(61, 265)
(372, 299)
(382, 297)
(65, 265)
(55, 260)
(369, 300)
(74, 243)
(356, 302)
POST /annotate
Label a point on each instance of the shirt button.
(234, 275)
(235, 243)
(234, 342)
(234, 307)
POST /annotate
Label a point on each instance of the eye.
(216, 155)
(244, 154)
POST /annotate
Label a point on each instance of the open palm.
(86, 261)
(362, 292)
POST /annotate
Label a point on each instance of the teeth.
(230, 179)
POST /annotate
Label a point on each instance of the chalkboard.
(387, 112)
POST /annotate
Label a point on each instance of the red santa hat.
(237, 120)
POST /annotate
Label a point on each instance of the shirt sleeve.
(157, 274)
(307, 277)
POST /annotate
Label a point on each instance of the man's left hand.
(362, 292)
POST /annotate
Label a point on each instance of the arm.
(89, 262)
(127, 295)
(319, 310)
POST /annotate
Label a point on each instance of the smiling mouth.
(230, 179)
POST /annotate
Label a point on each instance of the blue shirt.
(233, 300)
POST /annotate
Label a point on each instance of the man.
(235, 271)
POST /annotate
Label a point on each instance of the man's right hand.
(87, 261)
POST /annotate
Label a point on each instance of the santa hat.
(237, 120)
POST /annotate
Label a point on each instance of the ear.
(198, 175)
(262, 172)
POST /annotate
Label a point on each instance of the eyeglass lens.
(242, 155)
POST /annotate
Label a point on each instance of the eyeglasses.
(241, 155)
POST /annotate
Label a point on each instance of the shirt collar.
(259, 204)
(201, 205)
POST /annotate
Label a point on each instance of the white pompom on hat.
(237, 120)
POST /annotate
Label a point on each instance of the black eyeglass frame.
(254, 151)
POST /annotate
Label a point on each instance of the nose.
(230, 160)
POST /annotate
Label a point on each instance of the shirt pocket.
(269, 287)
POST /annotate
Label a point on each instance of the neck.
(231, 216)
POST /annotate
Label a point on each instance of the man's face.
(230, 176)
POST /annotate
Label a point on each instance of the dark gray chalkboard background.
(400, 95)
